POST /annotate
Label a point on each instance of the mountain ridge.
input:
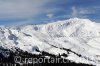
(81, 36)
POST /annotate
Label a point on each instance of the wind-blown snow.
(79, 35)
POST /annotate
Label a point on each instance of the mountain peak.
(78, 20)
(81, 36)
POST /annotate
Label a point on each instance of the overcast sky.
(17, 12)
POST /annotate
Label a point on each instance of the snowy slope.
(81, 36)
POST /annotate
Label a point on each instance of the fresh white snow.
(79, 35)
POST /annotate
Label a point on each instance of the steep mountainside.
(79, 37)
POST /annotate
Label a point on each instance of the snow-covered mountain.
(80, 36)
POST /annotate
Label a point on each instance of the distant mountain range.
(75, 39)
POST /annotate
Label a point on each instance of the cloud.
(49, 15)
(38, 10)
(86, 10)
(74, 12)
(20, 8)
(82, 12)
